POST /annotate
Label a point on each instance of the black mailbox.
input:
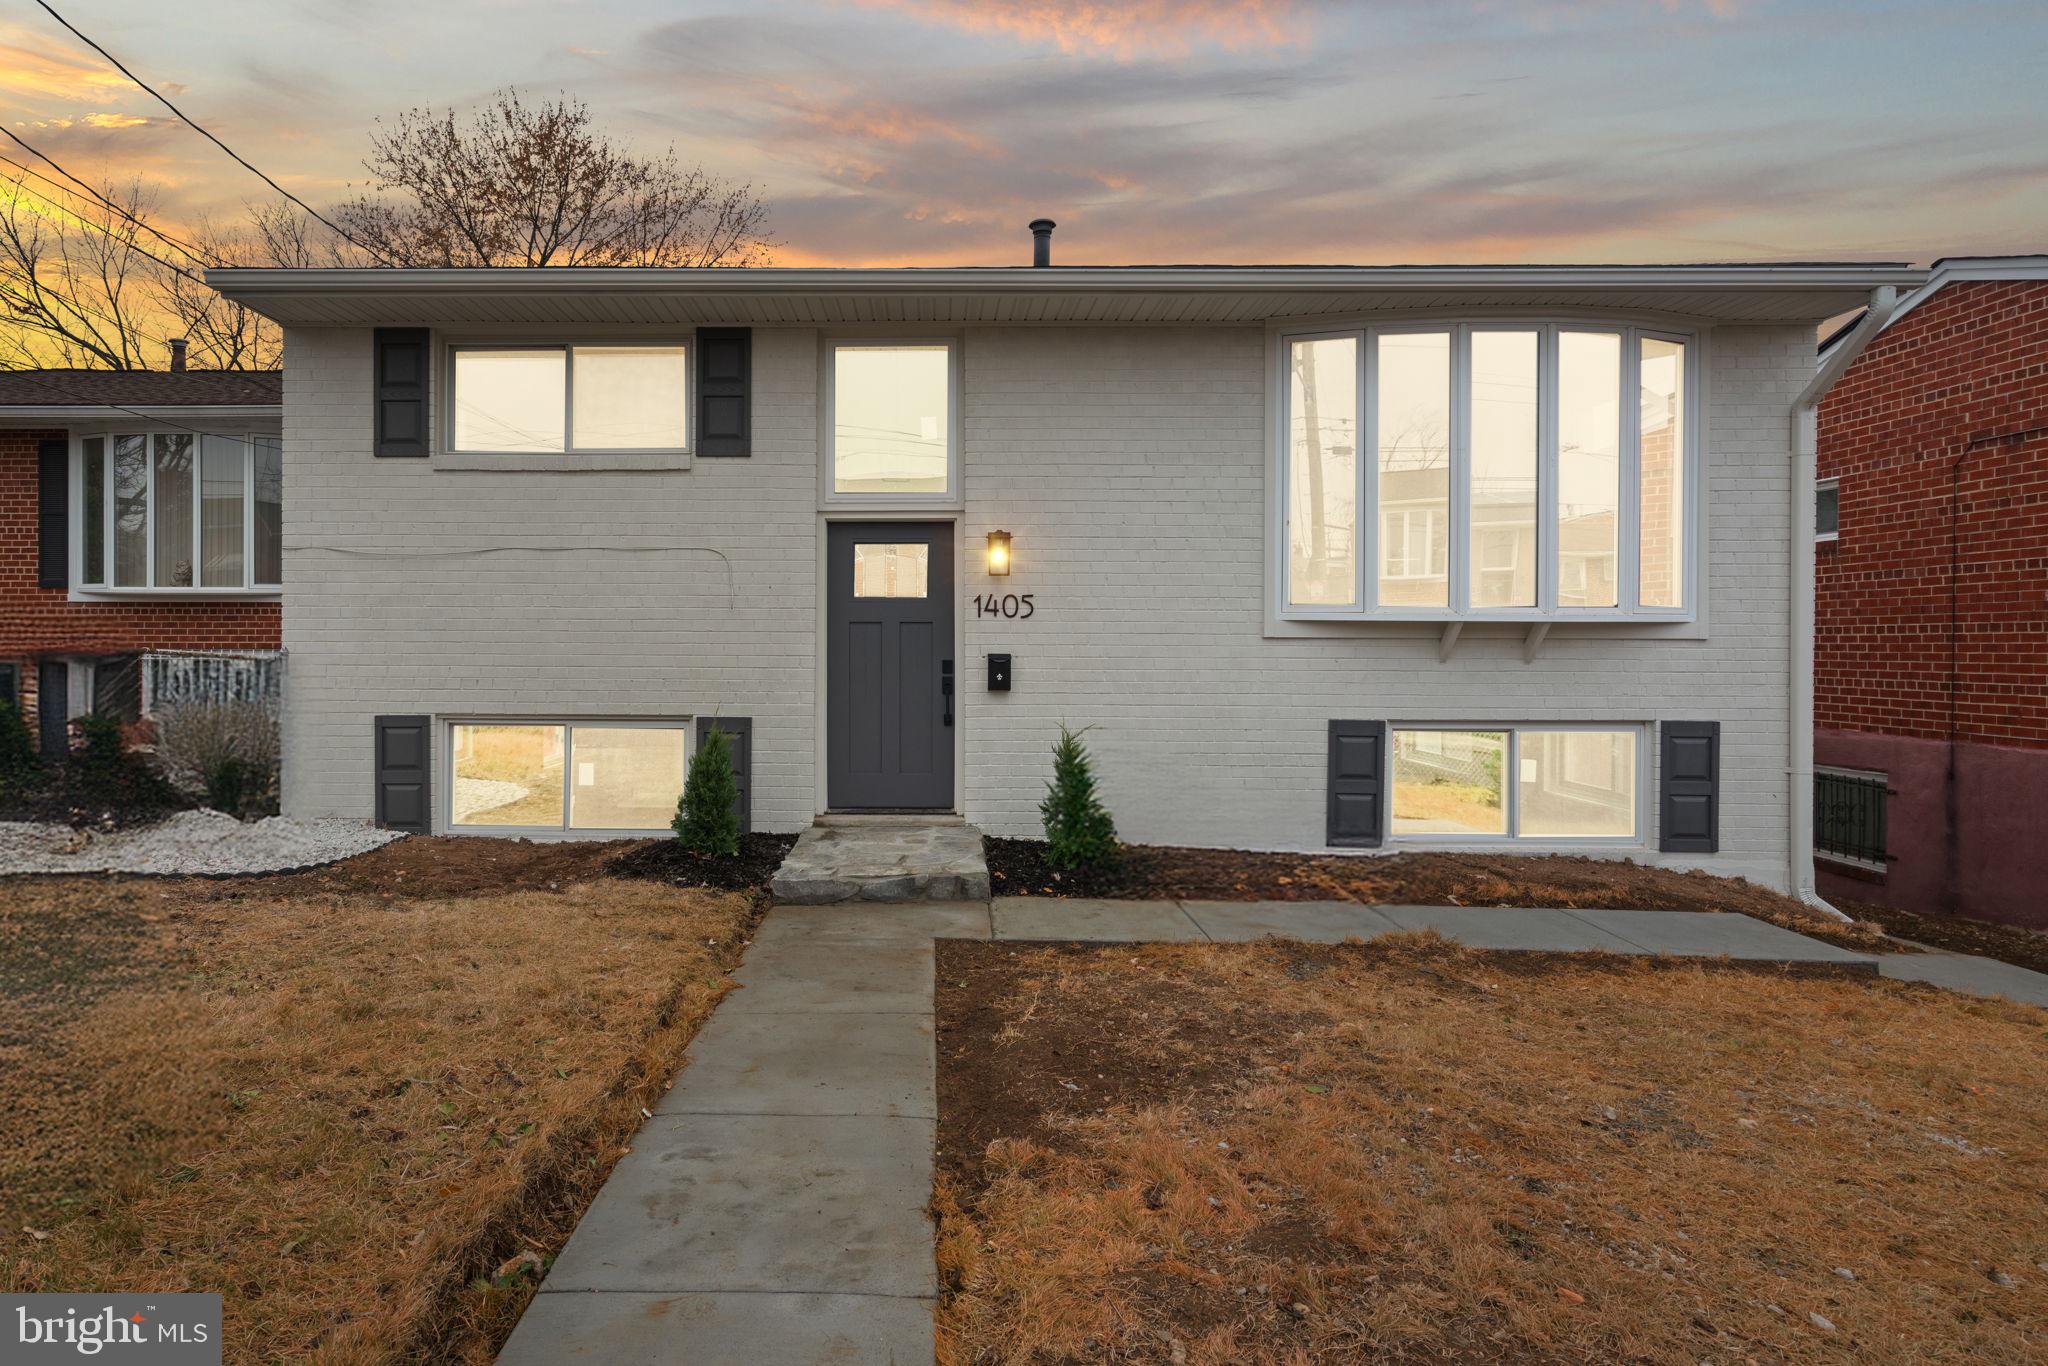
(998, 673)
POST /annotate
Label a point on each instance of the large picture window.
(585, 776)
(180, 510)
(1532, 782)
(891, 420)
(554, 400)
(1512, 471)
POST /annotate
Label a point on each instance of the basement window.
(1491, 472)
(550, 777)
(1540, 782)
(180, 512)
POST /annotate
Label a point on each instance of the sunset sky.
(929, 131)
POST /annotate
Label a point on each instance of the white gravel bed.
(188, 842)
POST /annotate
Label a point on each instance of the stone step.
(884, 858)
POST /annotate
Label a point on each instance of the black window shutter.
(10, 684)
(53, 514)
(53, 707)
(725, 376)
(1688, 790)
(1357, 784)
(740, 731)
(404, 773)
(401, 358)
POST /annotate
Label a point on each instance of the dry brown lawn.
(1410, 1152)
(366, 1120)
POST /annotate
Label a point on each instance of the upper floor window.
(892, 419)
(1827, 510)
(180, 510)
(560, 399)
(1490, 471)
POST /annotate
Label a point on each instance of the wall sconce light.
(999, 554)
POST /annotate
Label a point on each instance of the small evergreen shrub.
(19, 765)
(102, 779)
(1078, 829)
(708, 816)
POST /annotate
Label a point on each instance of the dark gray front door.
(889, 666)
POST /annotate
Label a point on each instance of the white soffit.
(1083, 294)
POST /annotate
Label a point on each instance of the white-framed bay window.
(178, 512)
(628, 398)
(892, 420)
(1538, 782)
(1490, 471)
(527, 777)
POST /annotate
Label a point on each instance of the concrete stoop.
(884, 858)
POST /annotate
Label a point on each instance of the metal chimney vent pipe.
(177, 353)
(1041, 241)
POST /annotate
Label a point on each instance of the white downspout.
(1805, 426)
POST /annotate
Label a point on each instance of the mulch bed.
(2023, 948)
(1575, 882)
(667, 861)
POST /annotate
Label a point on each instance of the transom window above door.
(555, 400)
(1489, 471)
(891, 421)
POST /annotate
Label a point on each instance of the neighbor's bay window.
(180, 510)
(583, 775)
(1533, 783)
(555, 400)
(1497, 471)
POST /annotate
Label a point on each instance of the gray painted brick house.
(1328, 557)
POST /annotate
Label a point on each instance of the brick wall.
(44, 621)
(1939, 435)
(1129, 463)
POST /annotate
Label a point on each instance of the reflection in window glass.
(1662, 472)
(1449, 782)
(95, 514)
(173, 510)
(891, 419)
(1503, 543)
(891, 571)
(221, 511)
(131, 512)
(506, 775)
(509, 400)
(269, 510)
(1576, 783)
(1415, 462)
(1322, 495)
(629, 398)
(1588, 467)
(625, 777)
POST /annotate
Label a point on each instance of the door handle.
(946, 687)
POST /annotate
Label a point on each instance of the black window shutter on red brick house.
(53, 513)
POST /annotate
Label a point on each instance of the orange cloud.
(1121, 28)
(34, 73)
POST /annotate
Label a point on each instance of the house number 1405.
(1003, 605)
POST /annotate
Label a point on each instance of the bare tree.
(537, 185)
(74, 282)
(86, 285)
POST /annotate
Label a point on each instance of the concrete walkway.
(773, 1210)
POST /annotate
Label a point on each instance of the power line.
(201, 130)
(97, 197)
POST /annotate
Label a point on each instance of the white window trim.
(1511, 795)
(572, 456)
(1364, 608)
(81, 591)
(1820, 536)
(444, 777)
(828, 495)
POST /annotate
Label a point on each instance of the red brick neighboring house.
(140, 512)
(1931, 650)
